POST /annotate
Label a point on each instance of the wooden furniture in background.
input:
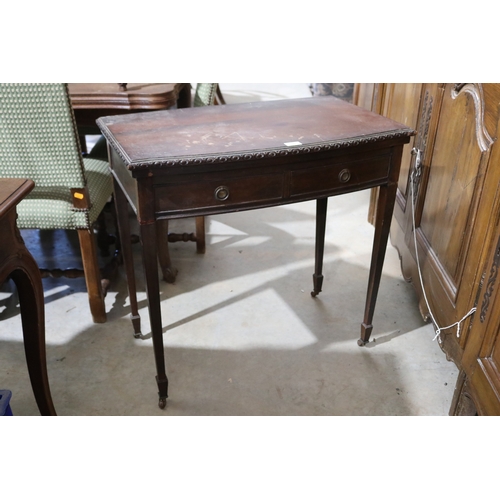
(253, 155)
(478, 385)
(457, 209)
(93, 100)
(18, 264)
(39, 142)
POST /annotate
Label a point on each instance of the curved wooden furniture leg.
(18, 264)
(88, 249)
(29, 286)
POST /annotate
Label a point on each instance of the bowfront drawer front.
(190, 194)
(346, 176)
(217, 192)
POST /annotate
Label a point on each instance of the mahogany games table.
(219, 159)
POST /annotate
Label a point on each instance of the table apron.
(178, 196)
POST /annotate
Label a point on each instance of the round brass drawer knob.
(344, 175)
(222, 193)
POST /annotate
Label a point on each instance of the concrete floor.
(242, 336)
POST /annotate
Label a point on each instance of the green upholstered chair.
(206, 94)
(39, 141)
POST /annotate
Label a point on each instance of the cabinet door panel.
(457, 220)
(456, 199)
(481, 360)
(453, 185)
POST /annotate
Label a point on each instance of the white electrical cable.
(473, 310)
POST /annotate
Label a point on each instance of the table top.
(12, 191)
(234, 132)
(147, 96)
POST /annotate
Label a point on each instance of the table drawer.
(192, 193)
(344, 176)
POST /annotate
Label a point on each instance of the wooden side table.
(220, 159)
(17, 263)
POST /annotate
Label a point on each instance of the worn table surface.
(239, 131)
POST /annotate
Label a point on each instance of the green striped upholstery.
(205, 94)
(39, 141)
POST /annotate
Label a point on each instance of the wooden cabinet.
(478, 385)
(453, 168)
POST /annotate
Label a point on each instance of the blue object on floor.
(5, 410)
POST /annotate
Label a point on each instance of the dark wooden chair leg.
(88, 249)
(200, 234)
(321, 206)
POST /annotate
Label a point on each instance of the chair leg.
(200, 234)
(88, 249)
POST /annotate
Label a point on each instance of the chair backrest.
(205, 94)
(38, 135)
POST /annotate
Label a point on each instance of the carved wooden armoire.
(450, 174)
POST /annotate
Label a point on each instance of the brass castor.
(162, 403)
(313, 294)
(362, 343)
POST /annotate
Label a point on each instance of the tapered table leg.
(385, 206)
(149, 253)
(321, 206)
(123, 222)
